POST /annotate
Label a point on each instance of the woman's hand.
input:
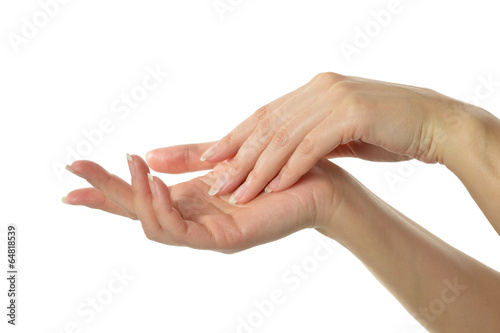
(332, 116)
(411, 262)
(184, 214)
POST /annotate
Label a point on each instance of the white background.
(64, 79)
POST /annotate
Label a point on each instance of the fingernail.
(209, 153)
(64, 200)
(151, 184)
(69, 169)
(218, 185)
(130, 165)
(238, 194)
(272, 185)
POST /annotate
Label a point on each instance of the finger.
(113, 187)
(179, 159)
(143, 200)
(249, 153)
(93, 198)
(277, 152)
(316, 144)
(229, 145)
(183, 232)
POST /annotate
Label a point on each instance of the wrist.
(462, 136)
(348, 209)
(473, 157)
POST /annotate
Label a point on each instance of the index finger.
(180, 159)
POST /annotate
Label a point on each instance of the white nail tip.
(209, 153)
(212, 191)
(232, 200)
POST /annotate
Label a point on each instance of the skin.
(443, 288)
(333, 116)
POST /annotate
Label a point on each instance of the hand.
(184, 214)
(331, 116)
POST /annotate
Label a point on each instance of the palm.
(214, 223)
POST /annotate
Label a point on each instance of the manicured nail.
(130, 165)
(218, 185)
(64, 200)
(69, 169)
(209, 153)
(152, 185)
(238, 194)
(272, 185)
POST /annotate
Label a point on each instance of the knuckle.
(187, 157)
(131, 214)
(350, 98)
(261, 112)
(229, 138)
(235, 165)
(281, 138)
(175, 241)
(306, 147)
(344, 88)
(352, 105)
(100, 182)
(263, 128)
(253, 176)
(329, 78)
(150, 235)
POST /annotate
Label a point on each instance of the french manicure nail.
(151, 184)
(238, 194)
(130, 165)
(272, 185)
(218, 185)
(209, 153)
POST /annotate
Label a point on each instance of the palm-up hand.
(184, 214)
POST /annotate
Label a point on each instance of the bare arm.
(443, 288)
(472, 153)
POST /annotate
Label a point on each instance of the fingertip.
(75, 167)
(273, 185)
(151, 155)
(152, 185)
(68, 167)
(77, 197)
(158, 159)
(210, 153)
(82, 168)
(72, 197)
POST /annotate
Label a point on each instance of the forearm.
(444, 289)
(471, 150)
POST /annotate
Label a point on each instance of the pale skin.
(331, 116)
